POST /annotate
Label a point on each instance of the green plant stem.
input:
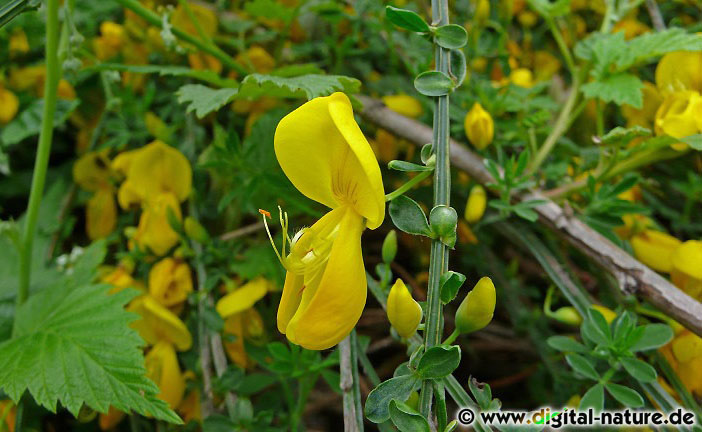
(559, 128)
(41, 163)
(452, 337)
(202, 45)
(305, 386)
(565, 52)
(442, 187)
(407, 186)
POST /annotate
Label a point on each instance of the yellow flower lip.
(170, 282)
(243, 298)
(162, 367)
(159, 324)
(654, 248)
(325, 155)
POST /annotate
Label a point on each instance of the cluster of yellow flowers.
(673, 105)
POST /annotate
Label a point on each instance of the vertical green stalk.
(442, 188)
(41, 163)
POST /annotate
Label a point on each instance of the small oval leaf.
(451, 36)
(408, 216)
(406, 19)
(433, 83)
(439, 361)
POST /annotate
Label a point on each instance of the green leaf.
(406, 19)
(620, 88)
(582, 366)
(400, 165)
(620, 136)
(204, 100)
(84, 270)
(638, 369)
(626, 396)
(481, 392)
(73, 345)
(565, 343)
(439, 361)
(595, 328)
(433, 83)
(28, 122)
(593, 398)
(377, 408)
(269, 9)
(548, 9)
(650, 45)
(458, 67)
(279, 351)
(450, 283)
(653, 336)
(451, 36)
(309, 86)
(408, 216)
(407, 419)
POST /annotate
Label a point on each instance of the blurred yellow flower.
(477, 202)
(477, 308)
(159, 324)
(243, 297)
(479, 127)
(110, 41)
(92, 171)
(18, 43)
(234, 341)
(323, 152)
(404, 312)
(163, 369)
(101, 214)
(521, 77)
(256, 57)
(120, 278)
(545, 65)
(404, 104)
(9, 104)
(202, 61)
(679, 71)
(684, 353)
(631, 28)
(154, 231)
(205, 17)
(153, 170)
(686, 272)
(170, 282)
(190, 409)
(654, 248)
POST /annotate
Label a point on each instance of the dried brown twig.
(633, 276)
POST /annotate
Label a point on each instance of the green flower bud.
(443, 220)
(390, 247)
(567, 315)
(195, 230)
(476, 310)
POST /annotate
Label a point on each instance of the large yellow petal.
(158, 168)
(162, 368)
(328, 312)
(159, 324)
(679, 70)
(324, 154)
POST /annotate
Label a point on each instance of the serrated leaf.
(626, 396)
(620, 88)
(408, 216)
(593, 398)
(406, 19)
(439, 361)
(654, 44)
(377, 408)
(308, 86)
(564, 343)
(620, 136)
(582, 366)
(652, 336)
(74, 346)
(638, 369)
(204, 100)
(407, 419)
(451, 36)
(28, 122)
(433, 83)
